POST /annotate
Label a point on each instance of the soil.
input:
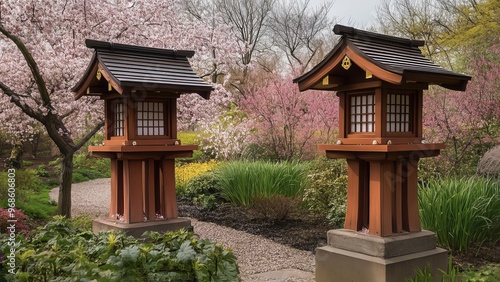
(306, 232)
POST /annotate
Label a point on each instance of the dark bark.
(64, 200)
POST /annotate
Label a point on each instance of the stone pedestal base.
(353, 256)
(137, 229)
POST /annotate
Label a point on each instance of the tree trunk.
(64, 202)
(15, 160)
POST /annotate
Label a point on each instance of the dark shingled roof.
(145, 68)
(394, 54)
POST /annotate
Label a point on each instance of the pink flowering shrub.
(287, 123)
(21, 223)
(467, 122)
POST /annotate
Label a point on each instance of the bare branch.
(298, 29)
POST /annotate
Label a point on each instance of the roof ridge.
(352, 32)
(112, 46)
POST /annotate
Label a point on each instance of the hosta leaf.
(115, 260)
(186, 252)
(130, 254)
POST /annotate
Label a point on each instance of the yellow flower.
(186, 172)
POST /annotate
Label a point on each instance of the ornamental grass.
(462, 212)
(241, 182)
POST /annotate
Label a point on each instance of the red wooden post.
(150, 192)
(397, 213)
(169, 197)
(354, 194)
(380, 198)
(412, 196)
(113, 207)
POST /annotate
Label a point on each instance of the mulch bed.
(299, 230)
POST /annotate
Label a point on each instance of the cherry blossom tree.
(43, 56)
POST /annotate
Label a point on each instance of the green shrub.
(32, 195)
(461, 212)
(82, 221)
(430, 169)
(87, 168)
(82, 174)
(326, 193)
(41, 171)
(62, 252)
(186, 172)
(205, 202)
(25, 181)
(78, 177)
(241, 182)
(203, 184)
(27, 163)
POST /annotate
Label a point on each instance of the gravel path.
(259, 259)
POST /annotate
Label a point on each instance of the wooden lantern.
(140, 86)
(380, 80)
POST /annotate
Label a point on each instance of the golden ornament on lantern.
(98, 74)
(346, 63)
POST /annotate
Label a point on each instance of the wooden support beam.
(397, 212)
(113, 207)
(412, 196)
(169, 195)
(380, 198)
(126, 192)
(354, 204)
(136, 191)
(150, 192)
(132, 191)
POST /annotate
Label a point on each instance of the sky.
(357, 13)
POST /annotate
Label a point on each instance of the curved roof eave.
(83, 83)
(345, 48)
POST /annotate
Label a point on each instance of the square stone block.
(334, 264)
(137, 229)
(384, 247)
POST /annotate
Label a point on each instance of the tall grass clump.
(462, 212)
(242, 182)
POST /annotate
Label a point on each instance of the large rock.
(490, 163)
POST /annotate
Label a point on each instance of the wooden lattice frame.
(151, 118)
(399, 112)
(362, 113)
(119, 122)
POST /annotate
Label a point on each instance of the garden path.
(259, 259)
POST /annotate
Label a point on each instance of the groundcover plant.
(59, 251)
